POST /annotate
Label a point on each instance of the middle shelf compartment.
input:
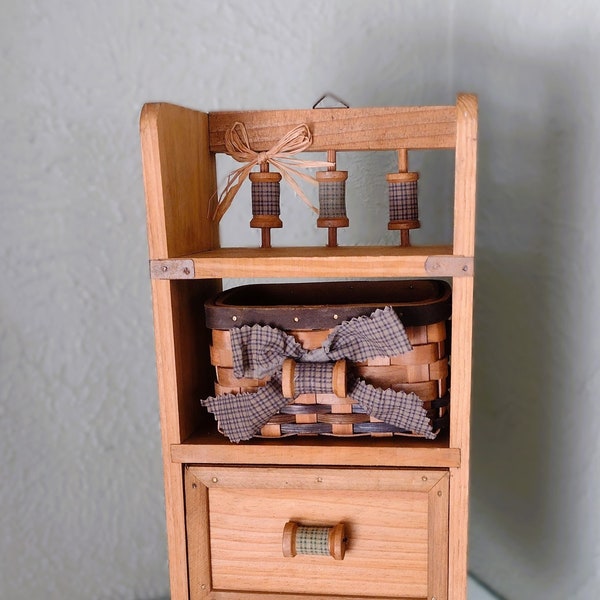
(297, 309)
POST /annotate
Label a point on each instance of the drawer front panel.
(395, 524)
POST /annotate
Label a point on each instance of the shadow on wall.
(535, 356)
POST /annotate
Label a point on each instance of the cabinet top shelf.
(346, 261)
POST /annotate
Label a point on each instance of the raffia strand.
(280, 156)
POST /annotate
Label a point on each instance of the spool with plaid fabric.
(403, 200)
(332, 202)
(306, 378)
(265, 203)
(314, 540)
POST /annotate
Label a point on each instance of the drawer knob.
(315, 541)
(313, 378)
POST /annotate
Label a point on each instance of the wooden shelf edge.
(236, 595)
(354, 452)
(349, 261)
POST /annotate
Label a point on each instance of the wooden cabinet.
(404, 501)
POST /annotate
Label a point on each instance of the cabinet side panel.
(462, 335)
(462, 308)
(176, 534)
(179, 178)
(195, 372)
(184, 375)
(465, 182)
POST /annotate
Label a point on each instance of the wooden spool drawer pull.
(314, 541)
(313, 378)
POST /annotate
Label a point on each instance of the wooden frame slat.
(344, 129)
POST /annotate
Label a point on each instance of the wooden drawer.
(396, 524)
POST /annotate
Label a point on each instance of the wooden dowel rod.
(331, 157)
(403, 160)
(265, 237)
(332, 237)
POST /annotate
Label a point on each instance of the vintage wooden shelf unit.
(402, 501)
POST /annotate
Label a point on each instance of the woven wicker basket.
(309, 312)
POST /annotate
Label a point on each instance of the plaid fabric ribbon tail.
(399, 409)
(241, 416)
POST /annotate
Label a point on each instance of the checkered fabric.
(265, 198)
(403, 203)
(312, 540)
(395, 408)
(240, 416)
(313, 378)
(259, 351)
(332, 202)
(361, 338)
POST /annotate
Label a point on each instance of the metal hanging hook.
(331, 97)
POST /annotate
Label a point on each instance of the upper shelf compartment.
(179, 148)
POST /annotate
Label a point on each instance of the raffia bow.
(259, 351)
(279, 156)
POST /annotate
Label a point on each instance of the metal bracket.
(172, 269)
(451, 266)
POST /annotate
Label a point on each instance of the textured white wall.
(535, 531)
(81, 500)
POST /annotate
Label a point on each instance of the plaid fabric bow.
(259, 351)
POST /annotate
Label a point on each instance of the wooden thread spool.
(403, 199)
(314, 541)
(313, 378)
(265, 203)
(332, 199)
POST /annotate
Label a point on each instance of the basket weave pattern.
(423, 371)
